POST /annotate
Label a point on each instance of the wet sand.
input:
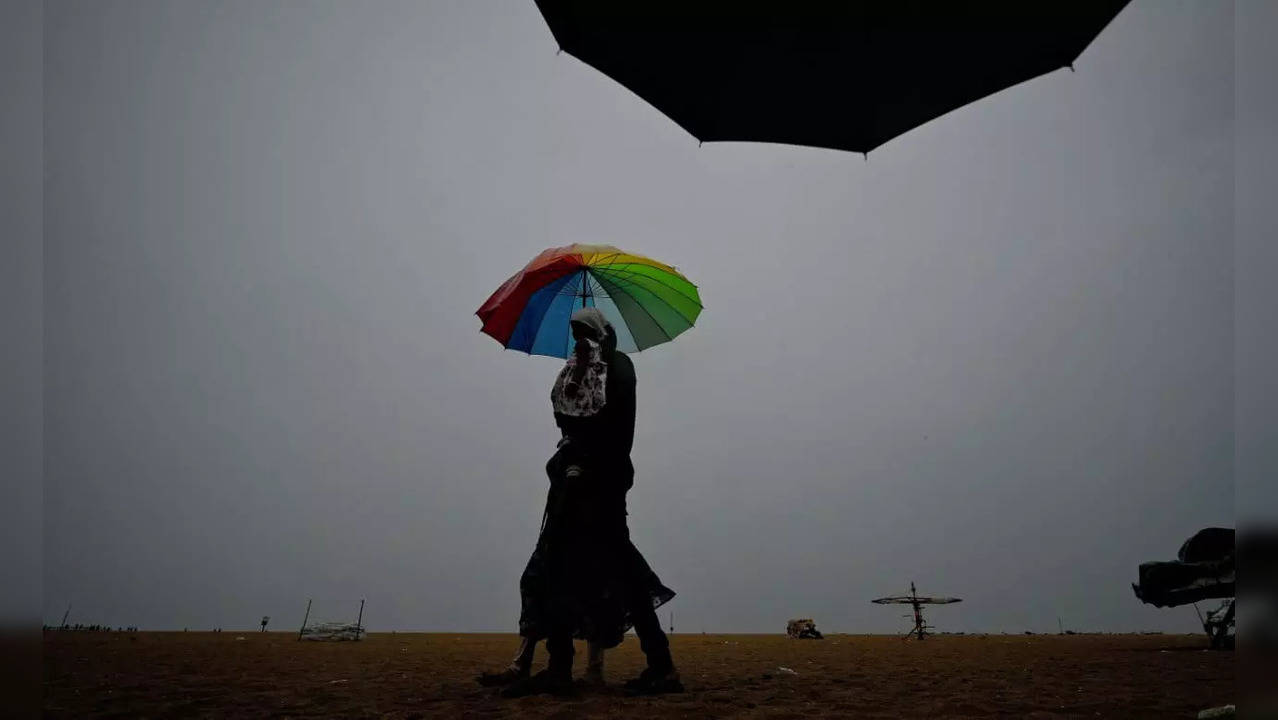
(194, 675)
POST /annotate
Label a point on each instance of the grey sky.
(1255, 295)
(20, 313)
(997, 358)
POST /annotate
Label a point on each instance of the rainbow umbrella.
(647, 302)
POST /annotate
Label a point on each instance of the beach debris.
(920, 629)
(1224, 711)
(786, 670)
(335, 631)
(803, 629)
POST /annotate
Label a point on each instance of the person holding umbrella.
(578, 392)
(586, 578)
(596, 581)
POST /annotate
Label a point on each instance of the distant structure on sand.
(920, 629)
(803, 629)
(331, 630)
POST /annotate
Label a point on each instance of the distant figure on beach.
(585, 578)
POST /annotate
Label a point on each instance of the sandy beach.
(410, 675)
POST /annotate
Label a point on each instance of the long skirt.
(585, 572)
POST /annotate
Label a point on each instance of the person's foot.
(543, 683)
(655, 682)
(511, 674)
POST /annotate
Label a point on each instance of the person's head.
(589, 324)
(581, 331)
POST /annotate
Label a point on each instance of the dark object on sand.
(843, 75)
(1204, 570)
(920, 629)
(334, 631)
(803, 629)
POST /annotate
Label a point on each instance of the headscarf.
(592, 318)
(579, 389)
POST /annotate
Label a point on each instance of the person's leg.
(556, 679)
(559, 647)
(524, 658)
(520, 666)
(652, 639)
(660, 676)
(594, 664)
(531, 622)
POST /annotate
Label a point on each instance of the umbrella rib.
(612, 260)
(622, 282)
(611, 267)
(568, 340)
(665, 332)
(598, 290)
(545, 311)
(594, 289)
(624, 275)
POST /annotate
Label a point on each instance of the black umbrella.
(846, 75)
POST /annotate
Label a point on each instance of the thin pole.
(66, 614)
(360, 620)
(305, 617)
(1059, 626)
(918, 611)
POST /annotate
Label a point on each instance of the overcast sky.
(996, 359)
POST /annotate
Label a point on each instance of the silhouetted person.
(596, 583)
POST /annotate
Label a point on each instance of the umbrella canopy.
(910, 600)
(848, 75)
(646, 302)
